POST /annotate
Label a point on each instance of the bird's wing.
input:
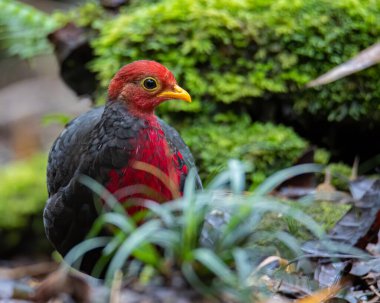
(177, 144)
(92, 144)
(65, 154)
(69, 211)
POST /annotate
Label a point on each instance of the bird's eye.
(149, 83)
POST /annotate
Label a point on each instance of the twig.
(116, 287)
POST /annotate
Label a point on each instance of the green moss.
(325, 213)
(244, 52)
(340, 175)
(265, 147)
(22, 192)
(321, 156)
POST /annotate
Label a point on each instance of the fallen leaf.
(62, 281)
(322, 295)
(28, 270)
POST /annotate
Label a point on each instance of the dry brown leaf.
(355, 169)
(28, 270)
(326, 186)
(62, 281)
(323, 294)
(277, 299)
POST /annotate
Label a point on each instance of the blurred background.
(247, 64)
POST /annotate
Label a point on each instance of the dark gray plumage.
(92, 144)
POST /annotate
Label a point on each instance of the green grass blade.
(162, 211)
(192, 214)
(166, 239)
(239, 232)
(134, 241)
(189, 189)
(103, 193)
(124, 223)
(211, 261)
(148, 254)
(290, 241)
(191, 277)
(116, 241)
(220, 181)
(276, 179)
(243, 267)
(237, 176)
(107, 253)
(79, 250)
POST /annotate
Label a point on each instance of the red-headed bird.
(108, 144)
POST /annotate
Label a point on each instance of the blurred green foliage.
(340, 175)
(321, 156)
(22, 191)
(24, 29)
(89, 14)
(22, 197)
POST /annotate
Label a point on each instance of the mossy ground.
(325, 213)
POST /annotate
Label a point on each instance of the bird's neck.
(143, 114)
(147, 114)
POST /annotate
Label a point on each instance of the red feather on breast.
(160, 183)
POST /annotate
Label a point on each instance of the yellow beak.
(177, 93)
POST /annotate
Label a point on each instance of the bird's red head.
(143, 85)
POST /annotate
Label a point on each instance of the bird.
(120, 145)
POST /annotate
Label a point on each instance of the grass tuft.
(215, 239)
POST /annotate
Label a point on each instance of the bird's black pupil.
(150, 83)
